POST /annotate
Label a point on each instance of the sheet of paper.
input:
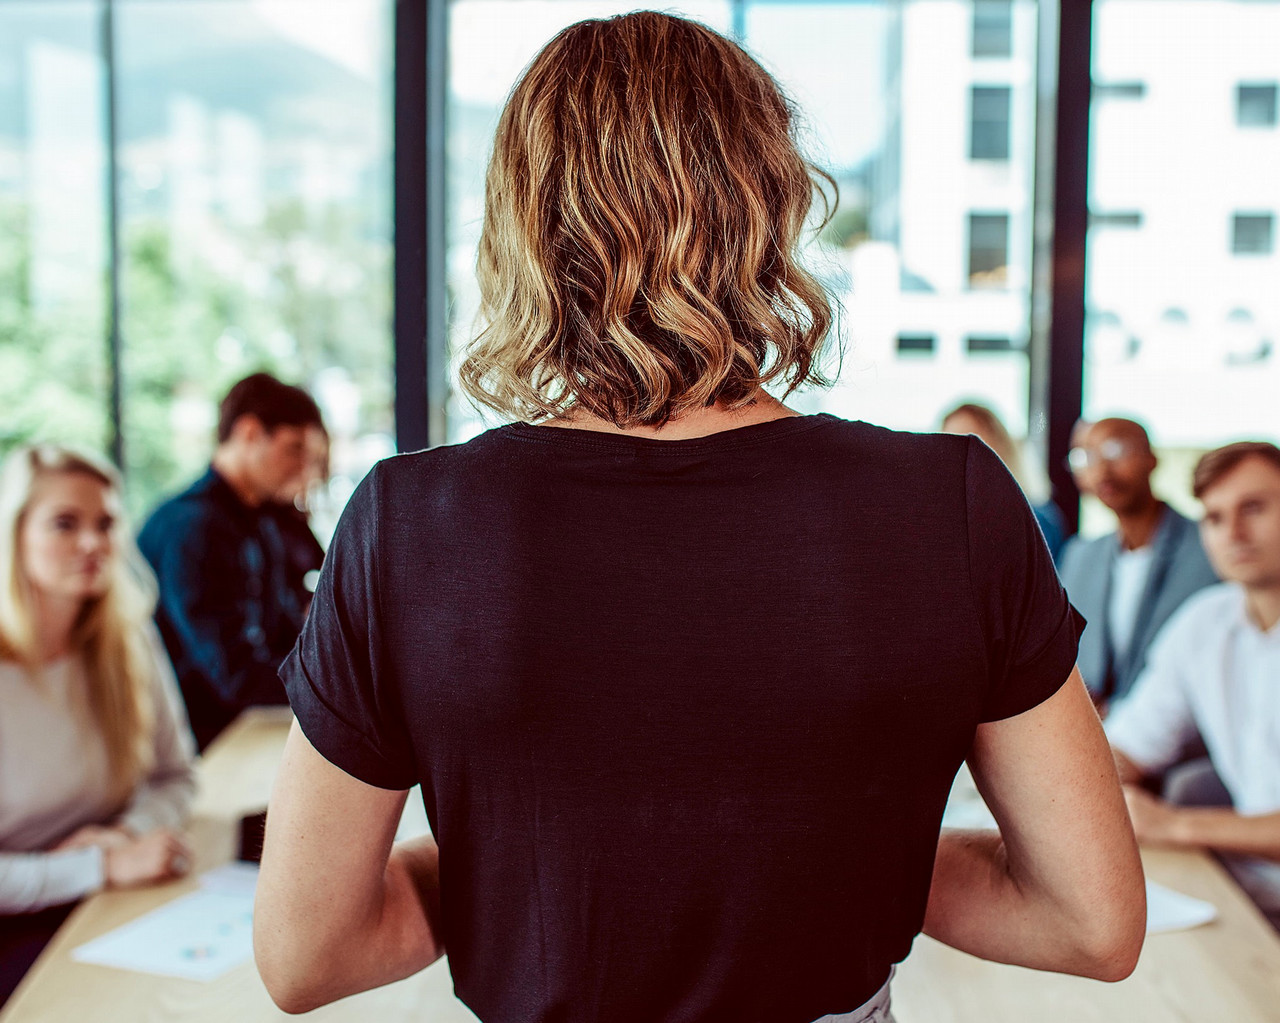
(231, 879)
(199, 936)
(1168, 910)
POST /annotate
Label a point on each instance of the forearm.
(35, 881)
(1225, 830)
(395, 936)
(979, 904)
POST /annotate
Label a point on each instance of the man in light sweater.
(1214, 672)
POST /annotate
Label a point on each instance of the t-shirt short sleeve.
(1030, 629)
(345, 701)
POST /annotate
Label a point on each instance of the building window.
(993, 28)
(980, 344)
(1256, 105)
(916, 344)
(989, 122)
(988, 250)
(1118, 90)
(1120, 218)
(1252, 234)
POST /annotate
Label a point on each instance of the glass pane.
(1183, 307)
(1256, 106)
(490, 42)
(885, 93)
(930, 252)
(255, 176)
(53, 247)
(989, 118)
(992, 28)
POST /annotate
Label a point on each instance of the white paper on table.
(236, 878)
(199, 936)
(1168, 910)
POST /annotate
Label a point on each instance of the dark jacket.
(1179, 568)
(226, 613)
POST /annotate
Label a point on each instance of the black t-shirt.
(685, 713)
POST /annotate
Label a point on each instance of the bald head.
(1112, 460)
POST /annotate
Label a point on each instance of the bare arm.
(1129, 772)
(339, 909)
(1061, 886)
(1203, 827)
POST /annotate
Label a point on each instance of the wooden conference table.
(1227, 970)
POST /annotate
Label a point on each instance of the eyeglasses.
(1081, 459)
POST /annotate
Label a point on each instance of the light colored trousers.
(875, 1010)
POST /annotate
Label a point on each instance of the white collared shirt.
(1211, 670)
(1129, 574)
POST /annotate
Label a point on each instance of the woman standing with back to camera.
(685, 676)
(95, 752)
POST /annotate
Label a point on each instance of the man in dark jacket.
(226, 611)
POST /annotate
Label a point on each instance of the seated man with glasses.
(1129, 582)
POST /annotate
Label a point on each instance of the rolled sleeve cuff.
(1031, 683)
(337, 740)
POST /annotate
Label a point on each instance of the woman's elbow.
(1109, 950)
(292, 975)
(291, 989)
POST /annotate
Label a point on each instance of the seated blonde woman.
(95, 752)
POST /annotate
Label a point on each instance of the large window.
(255, 186)
(53, 243)
(252, 174)
(1183, 307)
(894, 98)
(490, 41)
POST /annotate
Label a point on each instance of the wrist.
(1180, 829)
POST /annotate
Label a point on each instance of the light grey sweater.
(53, 779)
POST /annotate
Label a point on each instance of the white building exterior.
(1183, 331)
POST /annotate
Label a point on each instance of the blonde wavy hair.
(643, 206)
(110, 634)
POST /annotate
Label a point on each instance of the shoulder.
(1185, 531)
(1080, 552)
(906, 458)
(180, 515)
(1188, 552)
(1207, 610)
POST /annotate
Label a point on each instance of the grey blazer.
(1178, 569)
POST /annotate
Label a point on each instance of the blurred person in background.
(984, 424)
(1128, 583)
(1214, 675)
(95, 752)
(227, 613)
(290, 515)
(685, 676)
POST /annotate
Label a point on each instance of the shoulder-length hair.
(110, 634)
(643, 206)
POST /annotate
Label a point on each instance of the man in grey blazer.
(1129, 582)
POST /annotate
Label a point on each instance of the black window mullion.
(1059, 396)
